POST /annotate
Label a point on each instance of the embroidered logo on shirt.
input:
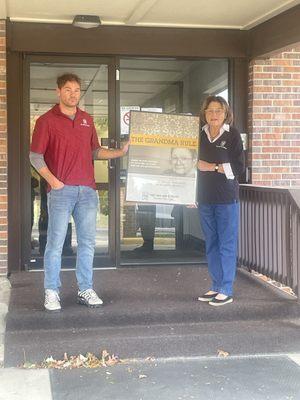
(84, 123)
(222, 145)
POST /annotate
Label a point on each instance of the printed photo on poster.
(162, 160)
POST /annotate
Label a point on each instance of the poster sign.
(125, 118)
(162, 159)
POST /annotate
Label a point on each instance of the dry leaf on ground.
(79, 361)
(222, 353)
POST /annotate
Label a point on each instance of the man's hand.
(125, 147)
(108, 154)
(54, 183)
(57, 185)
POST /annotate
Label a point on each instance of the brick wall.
(3, 153)
(274, 119)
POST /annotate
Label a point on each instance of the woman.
(221, 162)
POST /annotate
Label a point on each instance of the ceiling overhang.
(279, 32)
(215, 14)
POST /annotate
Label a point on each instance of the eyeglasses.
(217, 111)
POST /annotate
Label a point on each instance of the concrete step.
(149, 311)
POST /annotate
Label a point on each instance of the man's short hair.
(63, 79)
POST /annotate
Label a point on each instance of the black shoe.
(207, 297)
(216, 302)
(146, 247)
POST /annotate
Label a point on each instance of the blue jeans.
(220, 224)
(82, 203)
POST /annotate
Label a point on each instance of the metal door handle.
(111, 164)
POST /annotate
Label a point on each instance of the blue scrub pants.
(220, 224)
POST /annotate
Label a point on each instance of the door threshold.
(71, 269)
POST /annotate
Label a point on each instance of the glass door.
(98, 84)
(160, 233)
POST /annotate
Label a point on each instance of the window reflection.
(94, 100)
(155, 232)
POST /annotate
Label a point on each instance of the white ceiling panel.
(214, 13)
(235, 14)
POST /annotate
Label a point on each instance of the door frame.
(113, 194)
(18, 160)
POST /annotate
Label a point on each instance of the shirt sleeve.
(228, 171)
(236, 155)
(40, 137)
(37, 160)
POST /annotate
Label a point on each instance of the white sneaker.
(52, 300)
(89, 298)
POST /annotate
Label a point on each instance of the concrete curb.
(5, 288)
(20, 384)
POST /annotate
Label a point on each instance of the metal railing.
(269, 240)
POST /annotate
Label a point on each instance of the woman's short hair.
(63, 79)
(223, 103)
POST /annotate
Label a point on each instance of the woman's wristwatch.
(217, 168)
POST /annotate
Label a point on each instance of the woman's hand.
(205, 166)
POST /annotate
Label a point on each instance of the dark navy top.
(215, 187)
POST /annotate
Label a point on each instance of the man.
(63, 147)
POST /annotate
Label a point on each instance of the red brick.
(270, 176)
(273, 69)
(271, 150)
(276, 136)
(259, 156)
(262, 116)
(280, 62)
(291, 149)
(271, 163)
(280, 169)
(263, 89)
(283, 103)
(283, 76)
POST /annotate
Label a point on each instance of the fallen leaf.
(79, 361)
(29, 365)
(141, 376)
(222, 353)
(150, 359)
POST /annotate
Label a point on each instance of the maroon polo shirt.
(67, 145)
